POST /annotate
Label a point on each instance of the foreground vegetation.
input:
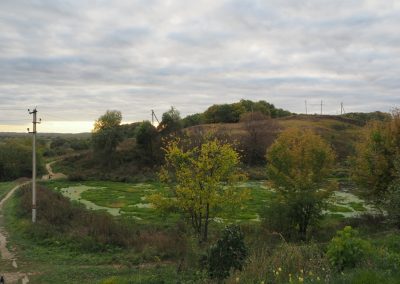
(92, 247)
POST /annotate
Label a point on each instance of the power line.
(12, 109)
(153, 116)
(12, 120)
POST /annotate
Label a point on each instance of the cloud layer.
(75, 59)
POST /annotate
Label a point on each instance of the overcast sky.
(76, 59)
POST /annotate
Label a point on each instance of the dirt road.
(13, 275)
(7, 256)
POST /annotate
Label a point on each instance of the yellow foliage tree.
(377, 159)
(202, 181)
(299, 163)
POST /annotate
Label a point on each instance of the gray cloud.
(75, 59)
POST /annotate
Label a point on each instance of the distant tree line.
(231, 113)
(365, 117)
(16, 158)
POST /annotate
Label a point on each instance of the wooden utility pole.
(321, 106)
(342, 108)
(34, 122)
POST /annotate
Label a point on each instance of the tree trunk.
(205, 235)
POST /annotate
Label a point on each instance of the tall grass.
(61, 222)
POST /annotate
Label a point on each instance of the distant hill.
(47, 135)
(341, 132)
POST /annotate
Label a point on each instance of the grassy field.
(130, 199)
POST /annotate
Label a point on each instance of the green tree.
(202, 180)
(16, 159)
(171, 122)
(147, 140)
(225, 113)
(299, 163)
(229, 253)
(346, 249)
(106, 135)
(193, 119)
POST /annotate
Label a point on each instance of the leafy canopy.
(299, 163)
(202, 179)
(374, 165)
(111, 119)
(346, 249)
(229, 253)
(106, 135)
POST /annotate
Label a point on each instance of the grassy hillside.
(255, 135)
(341, 132)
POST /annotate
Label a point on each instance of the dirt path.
(6, 254)
(51, 174)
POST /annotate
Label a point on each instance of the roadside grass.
(50, 253)
(5, 187)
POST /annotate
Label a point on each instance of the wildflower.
(237, 279)
(279, 269)
(301, 279)
(310, 273)
(301, 271)
(318, 278)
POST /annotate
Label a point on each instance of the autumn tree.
(376, 162)
(202, 180)
(107, 134)
(299, 164)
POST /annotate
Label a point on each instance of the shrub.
(276, 219)
(393, 204)
(286, 263)
(346, 249)
(228, 253)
